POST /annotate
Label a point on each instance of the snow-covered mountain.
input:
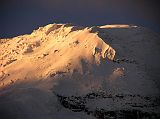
(75, 72)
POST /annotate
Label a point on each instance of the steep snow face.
(80, 72)
(137, 50)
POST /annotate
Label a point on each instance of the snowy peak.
(55, 47)
(63, 70)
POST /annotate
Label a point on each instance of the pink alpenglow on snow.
(63, 70)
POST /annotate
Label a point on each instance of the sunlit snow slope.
(63, 70)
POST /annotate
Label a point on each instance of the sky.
(19, 17)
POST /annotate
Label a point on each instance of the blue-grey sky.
(23, 16)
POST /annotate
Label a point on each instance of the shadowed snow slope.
(42, 70)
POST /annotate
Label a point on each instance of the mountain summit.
(80, 72)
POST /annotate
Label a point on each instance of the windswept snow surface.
(66, 71)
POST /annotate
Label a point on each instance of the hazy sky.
(23, 16)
